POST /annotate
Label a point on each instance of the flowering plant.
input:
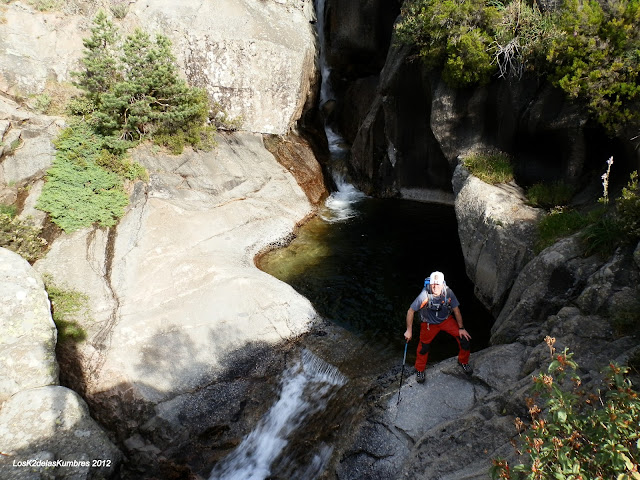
(579, 435)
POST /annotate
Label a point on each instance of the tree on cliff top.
(132, 91)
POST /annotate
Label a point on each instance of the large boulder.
(497, 233)
(549, 282)
(28, 341)
(256, 59)
(45, 429)
(179, 308)
(47, 432)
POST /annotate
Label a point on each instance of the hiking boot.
(466, 368)
(420, 376)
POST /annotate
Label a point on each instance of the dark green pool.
(362, 273)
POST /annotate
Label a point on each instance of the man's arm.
(463, 331)
(407, 334)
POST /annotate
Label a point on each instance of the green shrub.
(20, 237)
(9, 210)
(452, 34)
(491, 168)
(121, 166)
(557, 224)
(80, 195)
(556, 194)
(577, 434)
(597, 59)
(68, 309)
(628, 209)
(589, 49)
(602, 236)
(42, 103)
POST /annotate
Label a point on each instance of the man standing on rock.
(436, 303)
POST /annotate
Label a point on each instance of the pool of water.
(362, 270)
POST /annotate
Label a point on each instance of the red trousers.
(427, 334)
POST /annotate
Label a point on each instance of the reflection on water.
(363, 272)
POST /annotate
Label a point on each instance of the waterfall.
(340, 204)
(306, 388)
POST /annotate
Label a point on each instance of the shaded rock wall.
(406, 125)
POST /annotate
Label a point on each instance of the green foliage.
(79, 192)
(589, 49)
(557, 224)
(20, 237)
(46, 5)
(9, 210)
(522, 37)
(67, 308)
(549, 195)
(121, 166)
(452, 34)
(598, 58)
(577, 434)
(42, 103)
(628, 209)
(602, 229)
(132, 91)
(602, 236)
(120, 8)
(491, 168)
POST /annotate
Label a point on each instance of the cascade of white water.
(306, 389)
(340, 204)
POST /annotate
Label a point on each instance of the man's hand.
(463, 333)
(407, 335)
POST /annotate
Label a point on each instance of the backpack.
(429, 301)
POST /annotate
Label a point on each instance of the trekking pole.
(402, 374)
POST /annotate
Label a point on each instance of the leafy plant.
(42, 103)
(78, 195)
(67, 308)
(78, 191)
(598, 60)
(522, 37)
(577, 434)
(222, 120)
(491, 168)
(451, 34)
(9, 210)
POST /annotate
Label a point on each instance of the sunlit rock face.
(255, 59)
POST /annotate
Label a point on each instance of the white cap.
(436, 278)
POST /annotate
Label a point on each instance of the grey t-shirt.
(440, 308)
